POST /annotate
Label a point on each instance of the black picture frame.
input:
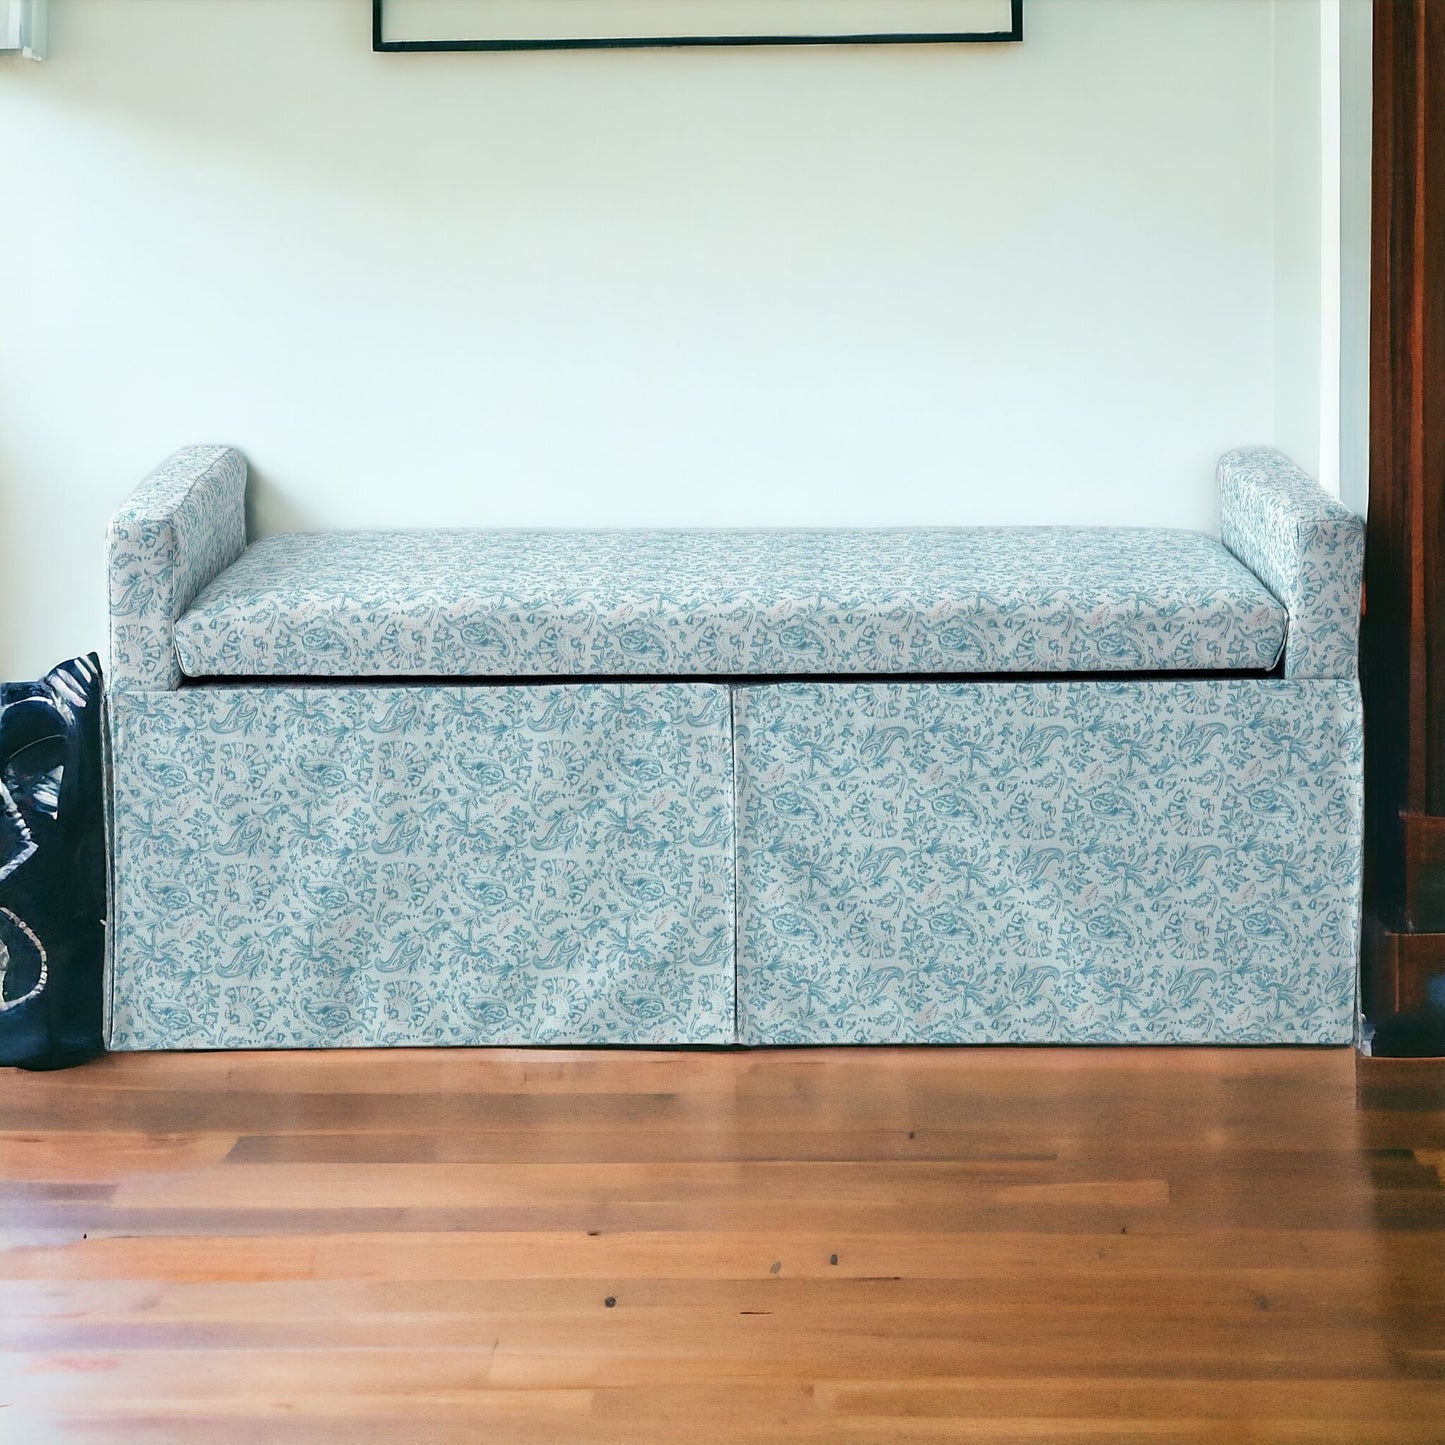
(383, 46)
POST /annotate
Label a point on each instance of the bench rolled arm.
(184, 524)
(1306, 547)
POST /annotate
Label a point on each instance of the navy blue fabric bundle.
(52, 868)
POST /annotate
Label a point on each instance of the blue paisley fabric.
(1308, 548)
(798, 862)
(658, 603)
(182, 525)
(312, 867)
(1155, 862)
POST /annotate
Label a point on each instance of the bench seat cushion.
(699, 603)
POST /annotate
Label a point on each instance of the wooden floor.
(871, 1245)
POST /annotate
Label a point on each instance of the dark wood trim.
(1403, 644)
(1406, 963)
(1424, 872)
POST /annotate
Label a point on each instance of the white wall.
(1299, 195)
(908, 284)
(1322, 139)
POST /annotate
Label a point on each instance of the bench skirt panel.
(1133, 862)
(1153, 861)
(300, 867)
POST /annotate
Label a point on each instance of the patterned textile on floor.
(52, 868)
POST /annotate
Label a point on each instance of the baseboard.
(1404, 972)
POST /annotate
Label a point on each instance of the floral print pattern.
(1131, 862)
(657, 603)
(309, 867)
(1307, 547)
(185, 523)
(1152, 860)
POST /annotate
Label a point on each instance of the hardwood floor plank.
(81, 1157)
(547, 1254)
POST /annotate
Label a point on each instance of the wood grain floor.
(998, 1245)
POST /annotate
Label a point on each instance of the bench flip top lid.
(513, 603)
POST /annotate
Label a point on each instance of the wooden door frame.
(1402, 641)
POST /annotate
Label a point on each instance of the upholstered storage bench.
(933, 785)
